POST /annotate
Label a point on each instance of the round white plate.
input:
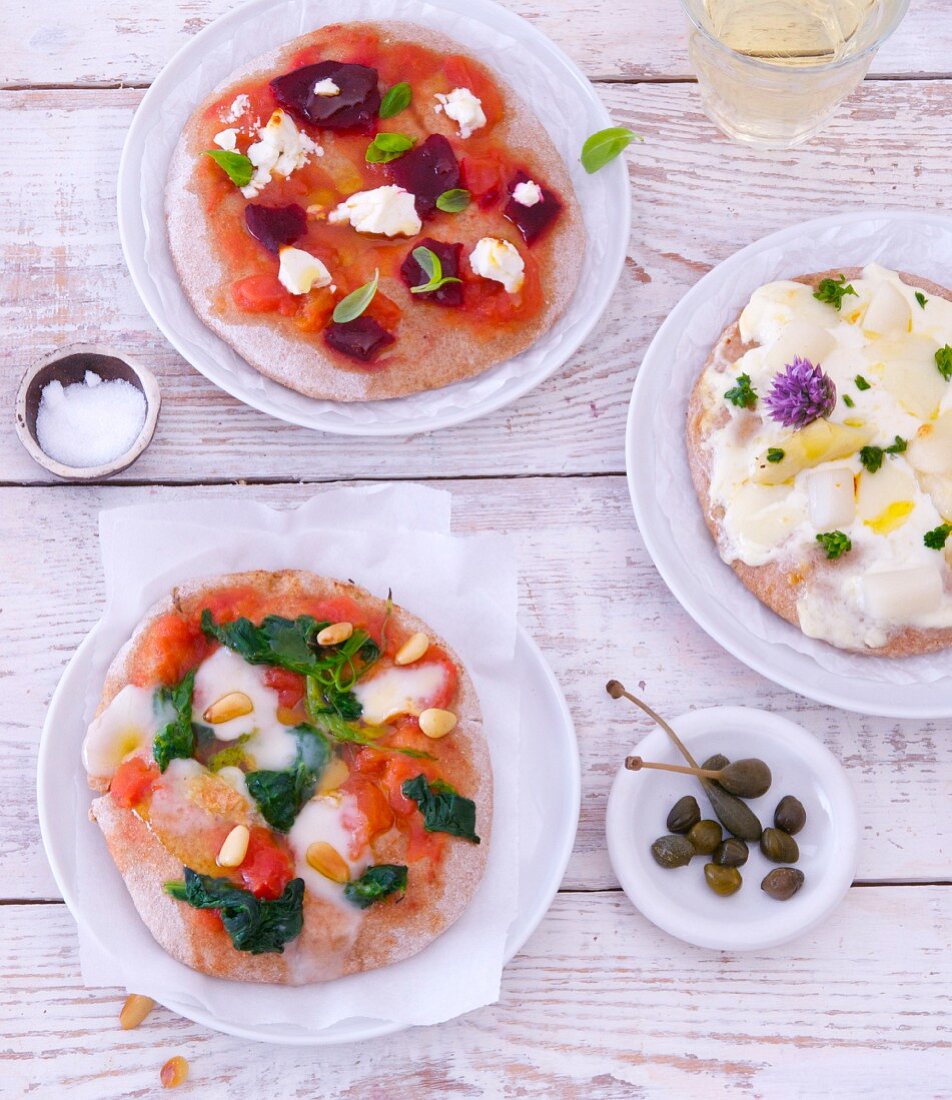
(680, 901)
(562, 98)
(549, 808)
(664, 500)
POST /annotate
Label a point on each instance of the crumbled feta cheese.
(527, 193)
(237, 109)
(280, 149)
(326, 87)
(225, 139)
(390, 211)
(498, 260)
(299, 271)
(464, 109)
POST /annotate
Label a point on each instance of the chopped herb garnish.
(743, 394)
(258, 925)
(351, 307)
(432, 269)
(943, 360)
(444, 809)
(871, 458)
(176, 740)
(861, 383)
(386, 147)
(921, 299)
(848, 401)
(775, 454)
(602, 147)
(453, 201)
(236, 166)
(896, 448)
(379, 881)
(938, 536)
(396, 100)
(833, 291)
(835, 543)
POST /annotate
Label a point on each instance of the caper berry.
(724, 881)
(782, 883)
(731, 853)
(736, 816)
(779, 847)
(672, 851)
(790, 814)
(705, 836)
(685, 814)
(749, 778)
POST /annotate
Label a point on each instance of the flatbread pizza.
(819, 436)
(295, 783)
(369, 211)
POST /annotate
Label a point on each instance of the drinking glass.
(772, 72)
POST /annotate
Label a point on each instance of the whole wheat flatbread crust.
(388, 932)
(427, 354)
(778, 584)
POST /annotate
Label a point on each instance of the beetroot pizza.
(369, 212)
(293, 777)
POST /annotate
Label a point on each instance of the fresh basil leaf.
(386, 147)
(602, 147)
(236, 166)
(351, 307)
(396, 100)
(444, 810)
(432, 269)
(379, 881)
(176, 740)
(453, 201)
(257, 925)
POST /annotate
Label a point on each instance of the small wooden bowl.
(69, 365)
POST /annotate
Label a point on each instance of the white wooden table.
(599, 1004)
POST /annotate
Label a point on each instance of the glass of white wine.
(772, 72)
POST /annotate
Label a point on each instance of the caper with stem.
(749, 778)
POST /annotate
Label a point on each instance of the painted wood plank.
(589, 595)
(129, 42)
(599, 1005)
(696, 199)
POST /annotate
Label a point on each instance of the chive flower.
(800, 394)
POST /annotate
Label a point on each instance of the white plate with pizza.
(817, 368)
(368, 891)
(378, 226)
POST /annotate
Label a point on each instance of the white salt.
(89, 423)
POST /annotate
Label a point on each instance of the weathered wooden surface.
(599, 1005)
(128, 41)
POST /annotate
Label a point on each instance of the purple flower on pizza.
(800, 394)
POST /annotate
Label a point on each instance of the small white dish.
(679, 901)
(549, 776)
(665, 503)
(563, 99)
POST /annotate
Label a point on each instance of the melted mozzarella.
(395, 691)
(125, 728)
(323, 819)
(223, 673)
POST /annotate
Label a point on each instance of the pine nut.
(327, 861)
(235, 847)
(335, 633)
(334, 775)
(436, 723)
(412, 649)
(135, 1010)
(233, 705)
(174, 1072)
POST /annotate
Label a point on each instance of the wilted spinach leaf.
(176, 739)
(281, 794)
(375, 883)
(443, 809)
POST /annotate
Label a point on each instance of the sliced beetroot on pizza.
(362, 339)
(427, 171)
(450, 294)
(275, 226)
(353, 107)
(538, 209)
